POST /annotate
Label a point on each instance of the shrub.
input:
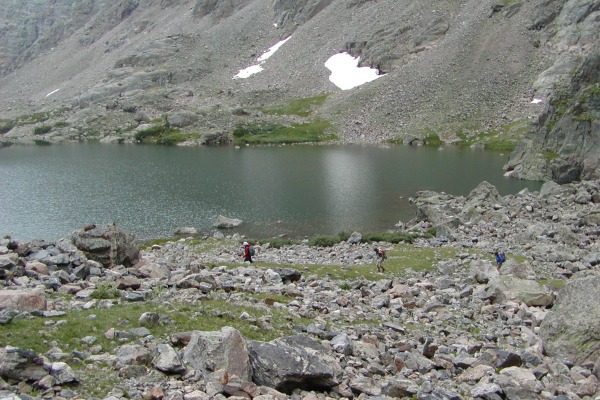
(328, 241)
(5, 126)
(150, 132)
(41, 130)
(278, 243)
(389, 237)
(105, 290)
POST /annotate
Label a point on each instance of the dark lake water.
(48, 191)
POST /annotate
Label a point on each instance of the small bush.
(5, 126)
(105, 290)
(42, 130)
(278, 243)
(61, 124)
(172, 139)
(389, 237)
(150, 132)
(328, 241)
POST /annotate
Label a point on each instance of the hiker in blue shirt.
(500, 258)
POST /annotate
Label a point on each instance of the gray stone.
(168, 360)
(107, 244)
(569, 329)
(294, 362)
(225, 349)
(223, 222)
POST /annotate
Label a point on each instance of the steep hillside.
(456, 71)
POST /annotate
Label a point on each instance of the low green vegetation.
(504, 138)
(105, 290)
(42, 130)
(6, 125)
(207, 315)
(549, 155)
(163, 133)
(274, 133)
(301, 107)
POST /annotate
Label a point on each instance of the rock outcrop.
(565, 147)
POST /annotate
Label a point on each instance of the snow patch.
(254, 69)
(52, 92)
(346, 74)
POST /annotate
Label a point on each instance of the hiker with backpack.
(248, 252)
(380, 254)
(500, 258)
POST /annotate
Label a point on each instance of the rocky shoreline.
(458, 330)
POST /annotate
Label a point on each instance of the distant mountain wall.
(473, 72)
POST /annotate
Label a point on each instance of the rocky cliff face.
(565, 147)
(95, 69)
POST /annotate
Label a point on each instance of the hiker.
(380, 254)
(500, 258)
(248, 252)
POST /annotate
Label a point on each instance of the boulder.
(22, 300)
(185, 231)
(485, 194)
(223, 222)
(21, 365)
(107, 244)
(355, 238)
(502, 289)
(210, 351)
(168, 360)
(570, 330)
(180, 119)
(295, 362)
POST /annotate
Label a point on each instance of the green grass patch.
(401, 259)
(34, 118)
(555, 284)
(328, 240)
(549, 155)
(271, 133)
(302, 107)
(208, 315)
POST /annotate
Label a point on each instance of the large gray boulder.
(502, 289)
(22, 300)
(21, 365)
(223, 222)
(295, 362)
(107, 244)
(571, 330)
(211, 351)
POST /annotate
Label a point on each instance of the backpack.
(383, 255)
(502, 257)
(251, 250)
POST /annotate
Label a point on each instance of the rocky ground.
(458, 330)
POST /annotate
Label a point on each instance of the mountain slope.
(452, 69)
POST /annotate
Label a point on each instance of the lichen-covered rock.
(570, 330)
(107, 244)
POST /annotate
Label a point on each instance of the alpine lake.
(295, 190)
